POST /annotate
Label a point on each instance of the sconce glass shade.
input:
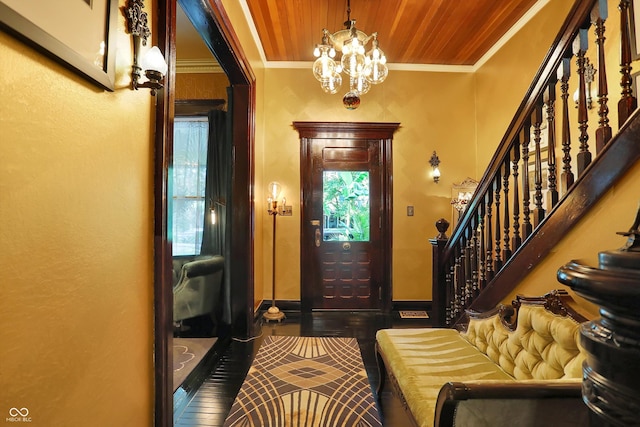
(273, 190)
(434, 161)
(436, 173)
(154, 60)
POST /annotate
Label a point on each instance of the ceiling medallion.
(361, 69)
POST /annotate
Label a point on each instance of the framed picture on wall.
(80, 34)
(461, 194)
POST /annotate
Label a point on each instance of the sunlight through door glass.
(345, 205)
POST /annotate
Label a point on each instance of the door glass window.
(345, 205)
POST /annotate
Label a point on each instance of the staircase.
(542, 179)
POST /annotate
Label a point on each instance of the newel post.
(438, 280)
(611, 375)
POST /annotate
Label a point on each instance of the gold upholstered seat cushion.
(422, 360)
(543, 346)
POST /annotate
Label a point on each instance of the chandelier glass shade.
(362, 69)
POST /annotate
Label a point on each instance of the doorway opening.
(213, 25)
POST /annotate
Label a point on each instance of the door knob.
(317, 237)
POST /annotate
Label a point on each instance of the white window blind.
(189, 177)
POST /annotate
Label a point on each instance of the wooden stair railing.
(525, 202)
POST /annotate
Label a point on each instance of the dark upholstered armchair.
(199, 289)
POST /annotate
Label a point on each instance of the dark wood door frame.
(356, 130)
(214, 26)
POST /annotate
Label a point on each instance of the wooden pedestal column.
(611, 373)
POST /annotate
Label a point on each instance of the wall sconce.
(434, 161)
(152, 62)
(589, 74)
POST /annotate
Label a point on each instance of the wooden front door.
(345, 243)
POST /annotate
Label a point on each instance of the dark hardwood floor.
(206, 397)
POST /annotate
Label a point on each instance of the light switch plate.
(409, 210)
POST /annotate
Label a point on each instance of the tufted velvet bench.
(522, 363)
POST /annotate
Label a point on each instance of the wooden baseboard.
(294, 305)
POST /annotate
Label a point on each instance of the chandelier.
(362, 70)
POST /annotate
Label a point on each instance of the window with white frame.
(189, 178)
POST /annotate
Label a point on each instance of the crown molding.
(404, 67)
(528, 16)
(399, 67)
(198, 66)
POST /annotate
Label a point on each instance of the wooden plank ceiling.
(446, 32)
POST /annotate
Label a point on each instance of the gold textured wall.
(504, 79)
(596, 232)
(436, 112)
(201, 86)
(433, 109)
(616, 210)
(76, 196)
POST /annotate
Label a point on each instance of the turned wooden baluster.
(627, 103)
(580, 46)
(525, 138)
(538, 212)
(455, 301)
(449, 294)
(482, 281)
(489, 259)
(603, 133)
(457, 277)
(462, 279)
(549, 102)
(566, 178)
(516, 241)
(468, 274)
(474, 256)
(506, 252)
(497, 259)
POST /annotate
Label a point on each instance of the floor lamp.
(274, 313)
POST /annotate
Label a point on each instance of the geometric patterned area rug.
(305, 381)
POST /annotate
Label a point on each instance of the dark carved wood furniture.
(527, 352)
(611, 385)
(511, 404)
